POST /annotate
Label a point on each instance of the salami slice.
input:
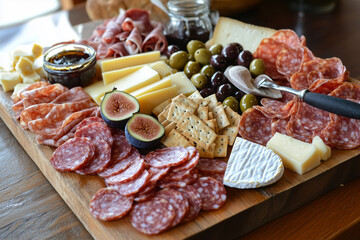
(176, 176)
(132, 187)
(73, 95)
(141, 197)
(101, 159)
(194, 200)
(167, 157)
(48, 91)
(274, 109)
(217, 176)
(279, 125)
(72, 155)
(212, 192)
(191, 163)
(255, 126)
(178, 201)
(289, 61)
(108, 205)
(211, 165)
(153, 216)
(96, 131)
(17, 97)
(132, 172)
(35, 112)
(188, 179)
(157, 173)
(119, 165)
(287, 36)
(121, 148)
(89, 120)
(299, 81)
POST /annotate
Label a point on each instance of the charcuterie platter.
(243, 210)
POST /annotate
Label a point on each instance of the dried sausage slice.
(108, 205)
(167, 157)
(194, 200)
(132, 172)
(211, 165)
(89, 120)
(134, 186)
(96, 131)
(212, 192)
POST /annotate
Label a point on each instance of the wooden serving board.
(243, 211)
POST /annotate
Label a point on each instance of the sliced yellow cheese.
(150, 100)
(111, 76)
(229, 30)
(129, 83)
(297, 156)
(164, 83)
(182, 83)
(129, 61)
(325, 151)
(162, 68)
(9, 80)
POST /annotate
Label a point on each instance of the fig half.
(144, 131)
(117, 107)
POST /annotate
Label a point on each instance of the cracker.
(213, 101)
(159, 108)
(169, 127)
(196, 130)
(163, 115)
(221, 144)
(230, 131)
(176, 139)
(211, 115)
(206, 153)
(177, 110)
(221, 118)
(165, 122)
(204, 102)
(195, 95)
(188, 101)
(233, 116)
(203, 113)
(212, 124)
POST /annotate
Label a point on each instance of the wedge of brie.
(251, 166)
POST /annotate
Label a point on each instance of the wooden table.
(32, 209)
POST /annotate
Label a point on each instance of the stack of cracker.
(200, 122)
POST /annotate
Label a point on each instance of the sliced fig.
(144, 131)
(117, 107)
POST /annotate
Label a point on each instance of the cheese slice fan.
(251, 165)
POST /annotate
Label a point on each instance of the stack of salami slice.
(52, 111)
(291, 63)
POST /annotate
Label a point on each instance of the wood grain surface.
(256, 207)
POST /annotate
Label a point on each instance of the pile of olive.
(205, 68)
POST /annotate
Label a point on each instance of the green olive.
(202, 56)
(194, 45)
(191, 57)
(232, 103)
(247, 101)
(199, 80)
(216, 49)
(208, 71)
(191, 68)
(178, 60)
(257, 67)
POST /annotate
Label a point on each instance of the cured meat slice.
(289, 61)
(118, 164)
(73, 95)
(157, 173)
(217, 176)
(275, 109)
(211, 165)
(122, 148)
(299, 81)
(39, 84)
(194, 200)
(132, 187)
(112, 29)
(255, 126)
(96, 131)
(133, 42)
(48, 91)
(137, 18)
(191, 163)
(178, 201)
(187, 179)
(287, 36)
(167, 157)
(73, 154)
(108, 205)
(311, 118)
(34, 112)
(153, 216)
(279, 125)
(101, 159)
(132, 172)
(141, 197)
(89, 120)
(325, 86)
(177, 176)
(155, 40)
(212, 192)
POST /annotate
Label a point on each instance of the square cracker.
(221, 118)
(203, 113)
(206, 153)
(212, 124)
(230, 131)
(176, 139)
(194, 103)
(196, 130)
(169, 127)
(159, 108)
(195, 95)
(213, 101)
(163, 115)
(233, 116)
(177, 110)
(221, 144)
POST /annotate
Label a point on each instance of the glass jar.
(189, 20)
(70, 64)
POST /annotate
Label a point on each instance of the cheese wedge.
(229, 30)
(163, 83)
(325, 151)
(150, 100)
(298, 156)
(112, 76)
(9, 80)
(251, 165)
(129, 83)
(162, 68)
(182, 83)
(129, 61)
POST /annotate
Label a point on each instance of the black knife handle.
(333, 104)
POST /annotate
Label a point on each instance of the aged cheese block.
(325, 151)
(111, 76)
(229, 30)
(162, 68)
(26, 70)
(129, 61)
(182, 83)
(297, 155)
(150, 100)
(9, 80)
(134, 81)
(163, 83)
(251, 165)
